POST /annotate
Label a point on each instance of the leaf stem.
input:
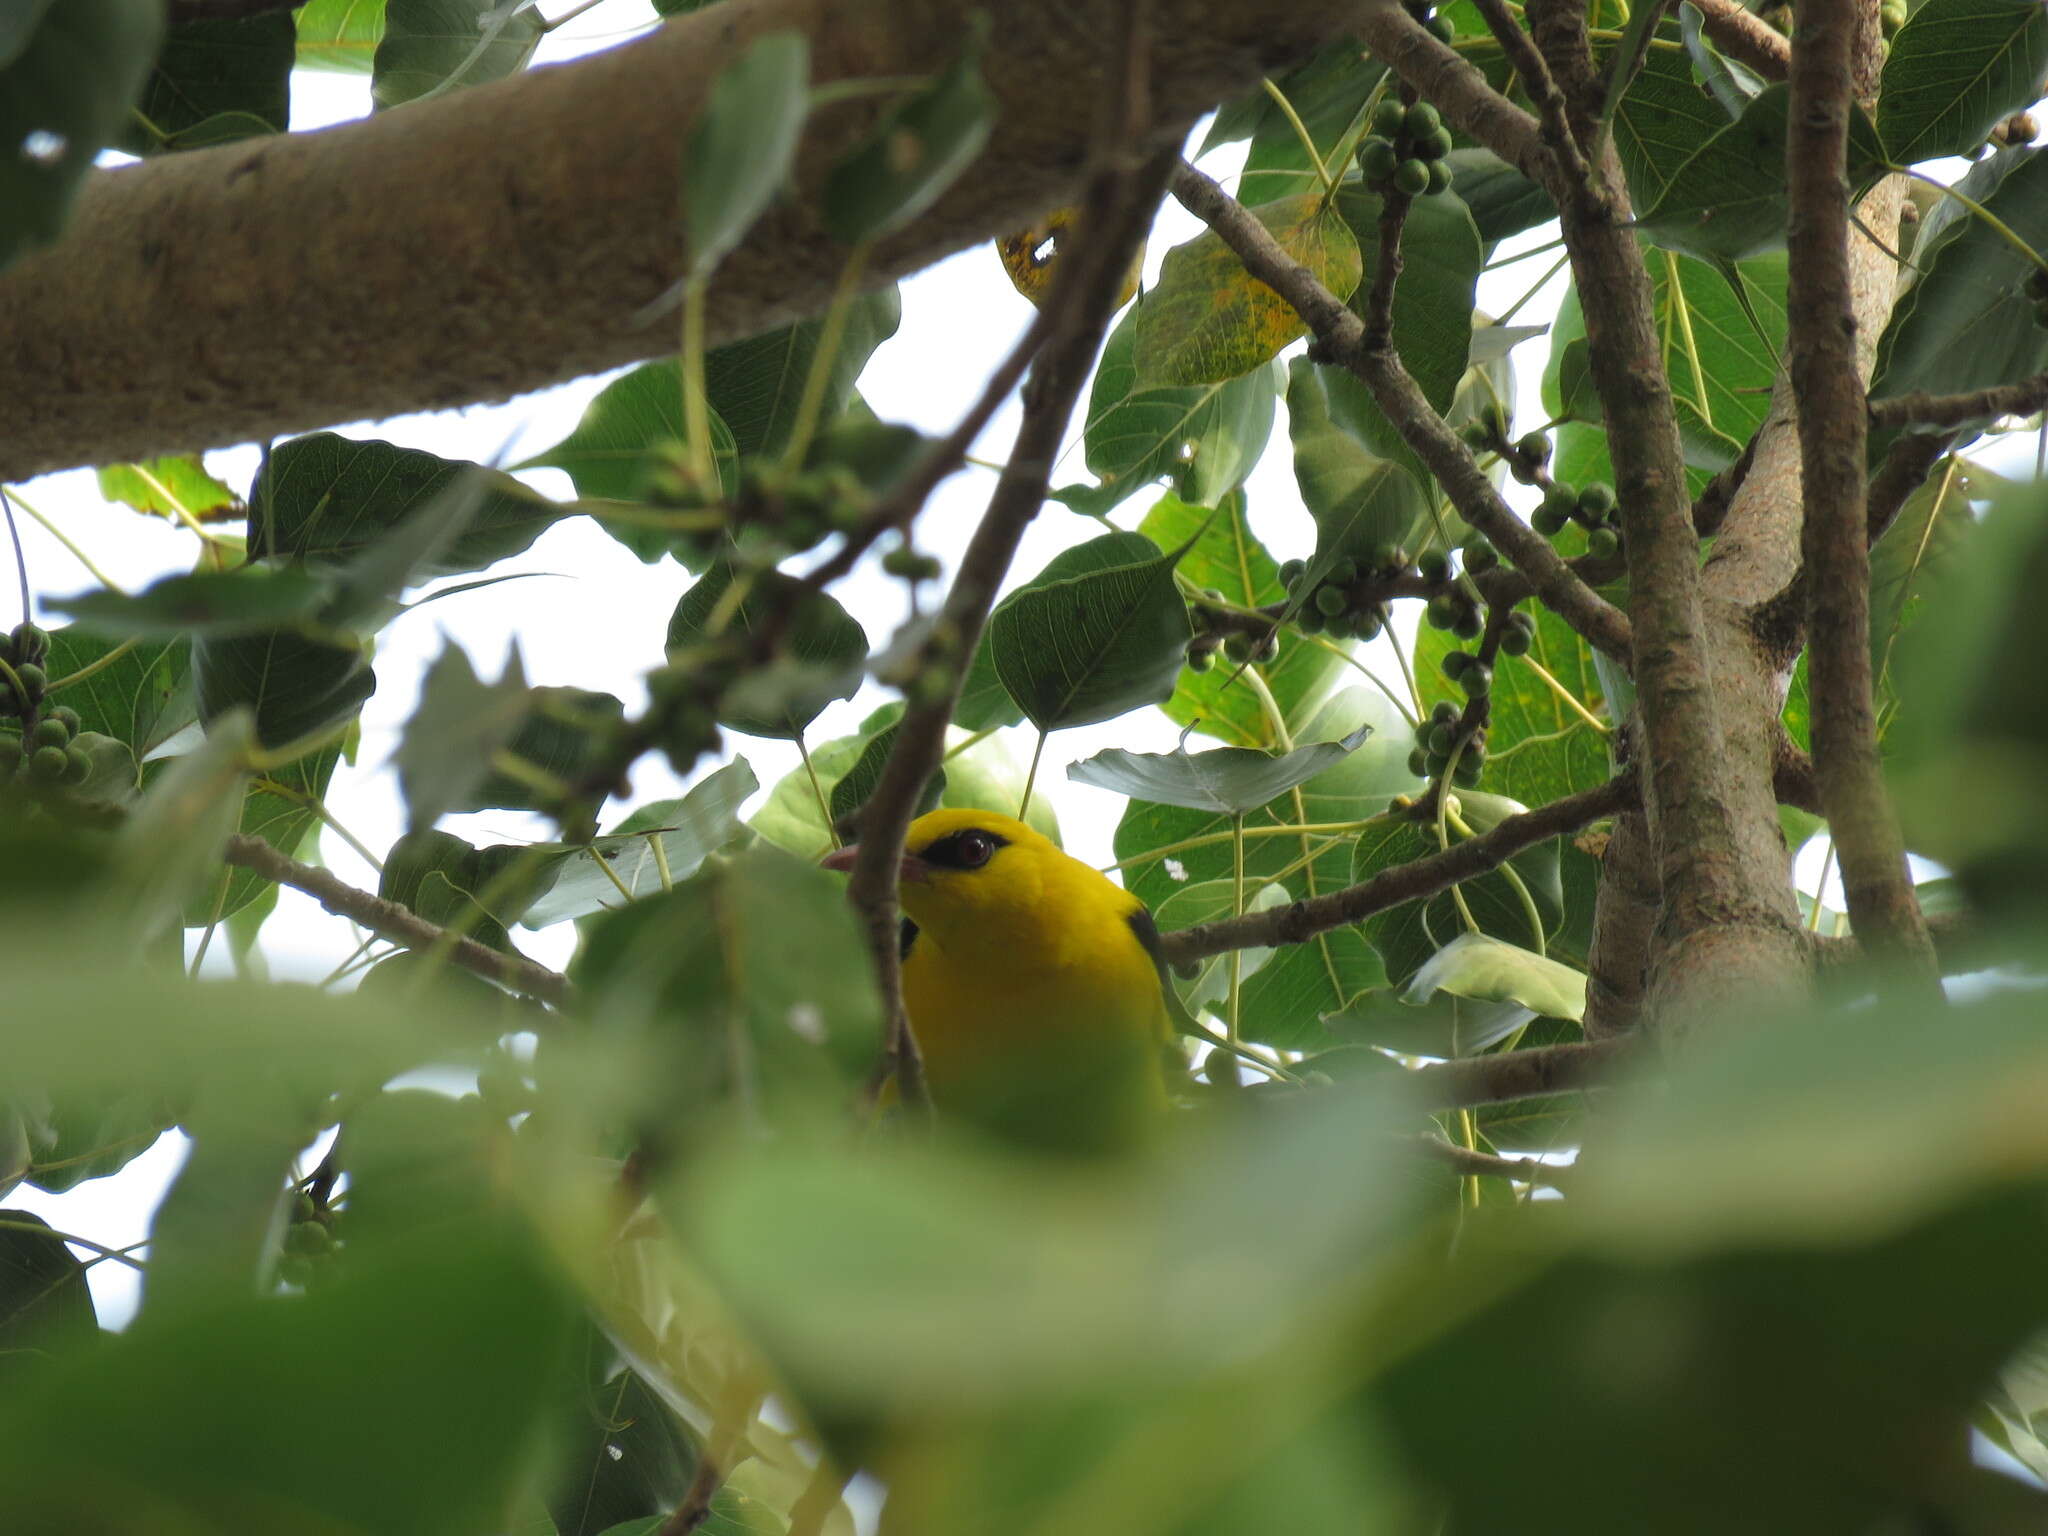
(119, 1254)
(1031, 777)
(696, 404)
(1571, 701)
(1308, 145)
(803, 751)
(829, 335)
(61, 537)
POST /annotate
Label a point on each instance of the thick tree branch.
(1114, 221)
(393, 921)
(1960, 944)
(508, 237)
(1826, 378)
(1504, 1075)
(1922, 410)
(1340, 337)
(1404, 882)
(1745, 37)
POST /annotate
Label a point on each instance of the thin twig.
(1907, 464)
(1340, 337)
(1827, 380)
(1472, 1163)
(1922, 410)
(1745, 36)
(1412, 881)
(394, 921)
(1116, 216)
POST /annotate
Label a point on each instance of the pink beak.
(911, 868)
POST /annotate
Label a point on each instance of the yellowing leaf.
(1209, 319)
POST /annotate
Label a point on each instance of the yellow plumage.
(1031, 985)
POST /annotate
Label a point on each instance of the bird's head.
(967, 870)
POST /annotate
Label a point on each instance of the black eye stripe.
(969, 848)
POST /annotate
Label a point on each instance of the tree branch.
(1523, 1170)
(1745, 37)
(1833, 421)
(182, 11)
(393, 921)
(1505, 1075)
(1456, 88)
(1404, 882)
(1922, 410)
(507, 237)
(1340, 337)
(1907, 464)
(1115, 218)
(1552, 110)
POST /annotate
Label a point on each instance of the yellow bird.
(1033, 983)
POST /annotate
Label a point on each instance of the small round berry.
(1412, 177)
(1331, 601)
(1481, 558)
(48, 765)
(1433, 565)
(1603, 543)
(51, 732)
(1377, 161)
(1442, 611)
(1418, 764)
(1291, 573)
(1434, 145)
(1596, 499)
(1422, 119)
(1534, 446)
(1439, 179)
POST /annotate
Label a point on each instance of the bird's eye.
(976, 849)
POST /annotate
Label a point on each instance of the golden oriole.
(1033, 984)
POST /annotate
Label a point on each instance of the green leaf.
(1441, 1024)
(428, 1364)
(1408, 935)
(1100, 631)
(461, 723)
(617, 446)
(1491, 970)
(1501, 200)
(625, 1459)
(94, 1134)
(686, 830)
(915, 153)
(1207, 437)
(1327, 94)
(820, 658)
(203, 603)
(295, 686)
(1432, 307)
(1907, 565)
(215, 80)
(854, 787)
(1284, 1003)
(1230, 781)
(281, 806)
(329, 499)
(1209, 320)
(142, 697)
(168, 849)
(432, 45)
(340, 34)
(755, 386)
(984, 776)
(740, 149)
(1721, 369)
(167, 487)
(1955, 70)
(64, 94)
(1363, 506)
(1967, 323)
(704, 974)
(1538, 747)
(1205, 901)
(1662, 120)
(481, 891)
(1226, 557)
(565, 733)
(46, 1309)
(1729, 200)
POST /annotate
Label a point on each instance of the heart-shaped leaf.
(741, 147)
(1228, 781)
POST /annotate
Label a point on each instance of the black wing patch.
(1147, 933)
(905, 939)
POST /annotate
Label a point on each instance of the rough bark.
(504, 238)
